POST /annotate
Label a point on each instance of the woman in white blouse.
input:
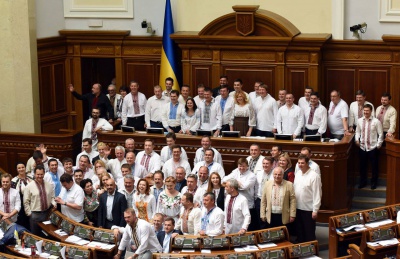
(144, 203)
(169, 200)
(243, 117)
(19, 182)
(190, 119)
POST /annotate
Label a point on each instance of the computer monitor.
(283, 137)
(127, 129)
(204, 133)
(231, 134)
(316, 138)
(155, 130)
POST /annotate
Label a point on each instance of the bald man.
(112, 207)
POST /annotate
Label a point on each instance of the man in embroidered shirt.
(206, 144)
(212, 221)
(189, 222)
(316, 116)
(137, 169)
(308, 191)
(212, 165)
(171, 113)
(338, 116)
(305, 100)
(175, 162)
(154, 108)
(133, 108)
(237, 214)
(290, 118)
(185, 90)
(53, 176)
(387, 115)
(11, 200)
(226, 102)
(210, 113)
(148, 158)
(94, 125)
(369, 137)
(114, 98)
(356, 110)
(255, 159)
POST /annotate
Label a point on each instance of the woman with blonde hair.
(169, 200)
(243, 118)
(286, 164)
(144, 203)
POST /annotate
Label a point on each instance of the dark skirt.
(241, 124)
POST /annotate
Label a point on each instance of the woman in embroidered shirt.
(190, 119)
(91, 202)
(243, 117)
(144, 203)
(169, 201)
(286, 164)
(19, 182)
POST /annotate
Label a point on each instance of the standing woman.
(215, 186)
(169, 200)
(144, 203)
(91, 202)
(19, 182)
(286, 164)
(243, 117)
(190, 119)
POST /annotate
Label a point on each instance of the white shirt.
(266, 110)
(154, 163)
(76, 196)
(48, 178)
(154, 109)
(15, 202)
(390, 118)
(193, 221)
(146, 236)
(308, 190)
(372, 138)
(128, 195)
(240, 214)
(191, 123)
(341, 111)
(262, 177)
(247, 180)
(87, 130)
(320, 119)
(353, 112)
(150, 202)
(121, 186)
(303, 103)
(181, 100)
(314, 166)
(140, 171)
(115, 167)
(128, 110)
(91, 155)
(116, 100)
(166, 154)
(215, 167)
(290, 120)
(253, 95)
(166, 121)
(197, 100)
(200, 156)
(170, 167)
(215, 224)
(215, 115)
(88, 174)
(258, 167)
(228, 109)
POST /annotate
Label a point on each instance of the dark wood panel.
(46, 89)
(59, 88)
(374, 82)
(142, 72)
(53, 125)
(4, 161)
(201, 75)
(296, 81)
(342, 80)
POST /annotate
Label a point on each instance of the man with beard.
(93, 125)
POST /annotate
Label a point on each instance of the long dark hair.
(194, 104)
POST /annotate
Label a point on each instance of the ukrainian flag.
(169, 63)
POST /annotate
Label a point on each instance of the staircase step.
(379, 192)
(360, 202)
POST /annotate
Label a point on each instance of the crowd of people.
(197, 198)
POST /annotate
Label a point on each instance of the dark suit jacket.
(182, 185)
(220, 200)
(161, 236)
(119, 206)
(103, 103)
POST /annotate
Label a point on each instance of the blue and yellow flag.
(169, 63)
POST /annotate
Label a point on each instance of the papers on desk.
(48, 222)
(267, 245)
(25, 251)
(389, 242)
(188, 250)
(311, 257)
(77, 240)
(101, 245)
(205, 251)
(254, 137)
(45, 255)
(60, 232)
(247, 248)
(379, 223)
(355, 227)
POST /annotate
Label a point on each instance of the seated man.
(190, 217)
(158, 223)
(212, 221)
(71, 199)
(165, 236)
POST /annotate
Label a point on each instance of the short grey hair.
(129, 176)
(233, 183)
(120, 148)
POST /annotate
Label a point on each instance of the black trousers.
(305, 226)
(276, 220)
(176, 129)
(373, 157)
(253, 225)
(156, 124)
(261, 224)
(261, 133)
(136, 122)
(225, 127)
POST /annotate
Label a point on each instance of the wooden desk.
(334, 159)
(8, 256)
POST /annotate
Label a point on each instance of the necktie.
(134, 236)
(311, 116)
(333, 109)
(135, 103)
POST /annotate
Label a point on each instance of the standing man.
(114, 98)
(96, 99)
(191, 185)
(129, 189)
(206, 144)
(180, 179)
(38, 200)
(210, 164)
(308, 191)
(53, 176)
(130, 146)
(115, 164)
(154, 108)
(133, 108)
(112, 205)
(84, 165)
(175, 162)
(276, 152)
(200, 94)
(387, 115)
(11, 200)
(78, 176)
(171, 113)
(255, 159)
(369, 137)
(278, 202)
(238, 88)
(281, 98)
(357, 108)
(71, 199)
(304, 101)
(189, 222)
(165, 236)
(185, 90)
(142, 235)
(223, 80)
(137, 169)
(316, 116)
(169, 83)
(158, 186)
(290, 119)
(87, 150)
(210, 113)
(148, 158)
(212, 220)
(93, 125)
(338, 115)
(237, 214)
(166, 151)
(262, 178)
(266, 110)
(253, 95)
(313, 165)
(226, 102)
